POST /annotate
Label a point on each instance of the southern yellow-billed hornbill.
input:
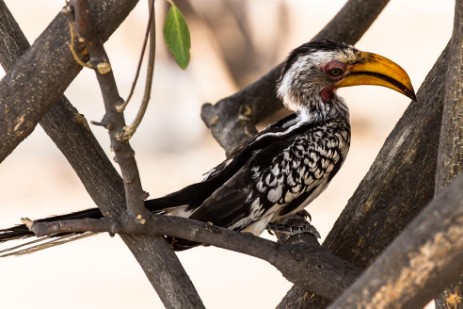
(289, 163)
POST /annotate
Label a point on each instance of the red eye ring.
(335, 69)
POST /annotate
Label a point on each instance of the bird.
(290, 162)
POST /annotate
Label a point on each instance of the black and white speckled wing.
(194, 195)
(242, 154)
(279, 172)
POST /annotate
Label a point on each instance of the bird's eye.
(335, 72)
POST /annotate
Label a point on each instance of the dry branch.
(450, 156)
(304, 263)
(426, 257)
(113, 120)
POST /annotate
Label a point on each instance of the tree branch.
(113, 120)
(306, 263)
(450, 156)
(426, 257)
(70, 132)
(130, 130)
(232, 120)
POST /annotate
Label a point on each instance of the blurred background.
(233, 43)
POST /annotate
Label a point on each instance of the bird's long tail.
(22, 232)
(166, 205)
(180, 203)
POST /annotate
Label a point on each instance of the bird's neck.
(316, 110)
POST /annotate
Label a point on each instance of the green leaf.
(177, 36)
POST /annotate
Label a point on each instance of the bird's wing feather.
(238, 202)
(195, 194)
(228, 203)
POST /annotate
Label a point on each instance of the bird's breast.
(303, 167)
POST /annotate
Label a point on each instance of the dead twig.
(113, 119)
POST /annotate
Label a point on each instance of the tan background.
(174, 149)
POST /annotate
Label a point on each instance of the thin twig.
(129, 131)
(72, 48)
(148, 34)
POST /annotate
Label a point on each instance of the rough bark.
(450, 158)
(419, 263)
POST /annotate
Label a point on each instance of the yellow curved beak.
(373, 69)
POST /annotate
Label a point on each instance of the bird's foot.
(290, 230)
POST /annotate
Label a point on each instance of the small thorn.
(97, 123)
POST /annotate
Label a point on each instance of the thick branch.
(232, 120)
(450, 157)
(422, 260)
(306, 264)
(69, 130)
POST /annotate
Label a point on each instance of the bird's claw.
(292, 230)
(305, 215)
